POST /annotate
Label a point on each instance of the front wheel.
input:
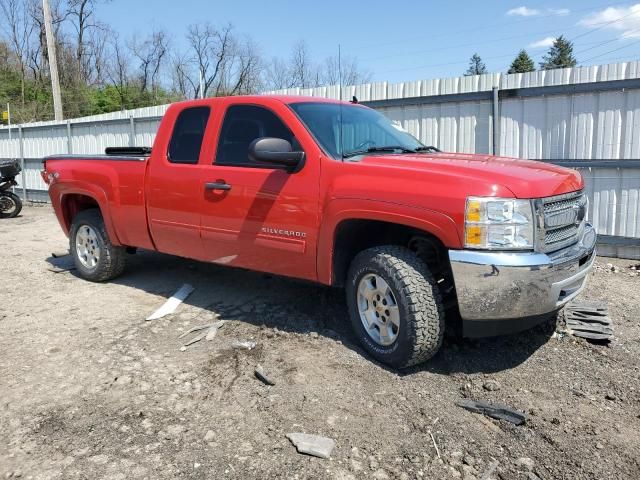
(10, 205)
(395, 306)
(95, 258)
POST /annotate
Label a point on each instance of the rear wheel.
(96, 259)
(395, 306)
(10, 205)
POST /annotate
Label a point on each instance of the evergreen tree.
(560, 55)
(522, 63)
(476, 66)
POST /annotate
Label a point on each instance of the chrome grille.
(562, 219)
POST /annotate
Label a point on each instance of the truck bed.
(116, 182)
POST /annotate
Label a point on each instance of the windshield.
(363, 130)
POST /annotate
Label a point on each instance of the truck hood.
(524, 178)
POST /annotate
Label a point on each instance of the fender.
(90, 190)
(339, 210)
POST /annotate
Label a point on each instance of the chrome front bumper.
(508, 286)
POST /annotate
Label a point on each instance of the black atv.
(10, 203)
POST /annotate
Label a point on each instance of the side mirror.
(277, 151)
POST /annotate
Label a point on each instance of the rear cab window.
(187, 136)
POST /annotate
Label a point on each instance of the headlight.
(498, 223)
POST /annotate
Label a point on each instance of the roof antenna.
(341, 134)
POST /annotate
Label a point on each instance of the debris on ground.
(246, 345)
(195, 339)
(314, 445)
(499, 412)
(589, 320)
(172, 303)
(196, 329)
(59, 254)
(491, 385)
(260, 375)
(213, 331)
(61, 270)
(435, 445)
(210, 331)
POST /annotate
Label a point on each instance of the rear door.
(261, 217)
(173, 192)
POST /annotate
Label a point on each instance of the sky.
(401, 41)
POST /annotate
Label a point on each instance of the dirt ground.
(90, 390)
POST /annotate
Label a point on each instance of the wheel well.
(354, 236)
(74, 203)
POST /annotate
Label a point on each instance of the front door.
(260, 216)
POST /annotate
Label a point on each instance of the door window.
(187, 136)
(242, 125)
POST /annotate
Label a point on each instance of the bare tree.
(347, 67)
(303, 72)
(277, 75)
(244, 72)
(118, 71)
(19, 29)
(82, 16)
(211, 51)
(150, 54)
(38, 48)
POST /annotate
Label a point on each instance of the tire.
(17, 205)
(88, 228)
(419, 315)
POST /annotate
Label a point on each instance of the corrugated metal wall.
(580, 113)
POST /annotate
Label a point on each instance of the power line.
(611, 51)
(463, 45)
(461, 62)
(484, 27)
(602, 25)
(617, 39)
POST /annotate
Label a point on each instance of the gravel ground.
(90, 390)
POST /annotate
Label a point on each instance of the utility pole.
(53, 62)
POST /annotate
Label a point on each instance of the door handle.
(217, 186)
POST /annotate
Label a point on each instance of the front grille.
(562, 220)
(560, 234)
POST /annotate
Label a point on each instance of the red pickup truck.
(335, 193)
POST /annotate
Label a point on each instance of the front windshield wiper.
(386, 148)
(428, 148)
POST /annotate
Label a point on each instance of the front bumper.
(500, 292)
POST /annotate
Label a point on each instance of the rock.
(313, 335)
(260, 375)
(469, 460)
(356, 465)
(491, 385)
(209, 436)
(526, 463)
(373, 463)
(246, 345)
(610, 396)
(380, 474)
(312, 444)
(599, 446)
